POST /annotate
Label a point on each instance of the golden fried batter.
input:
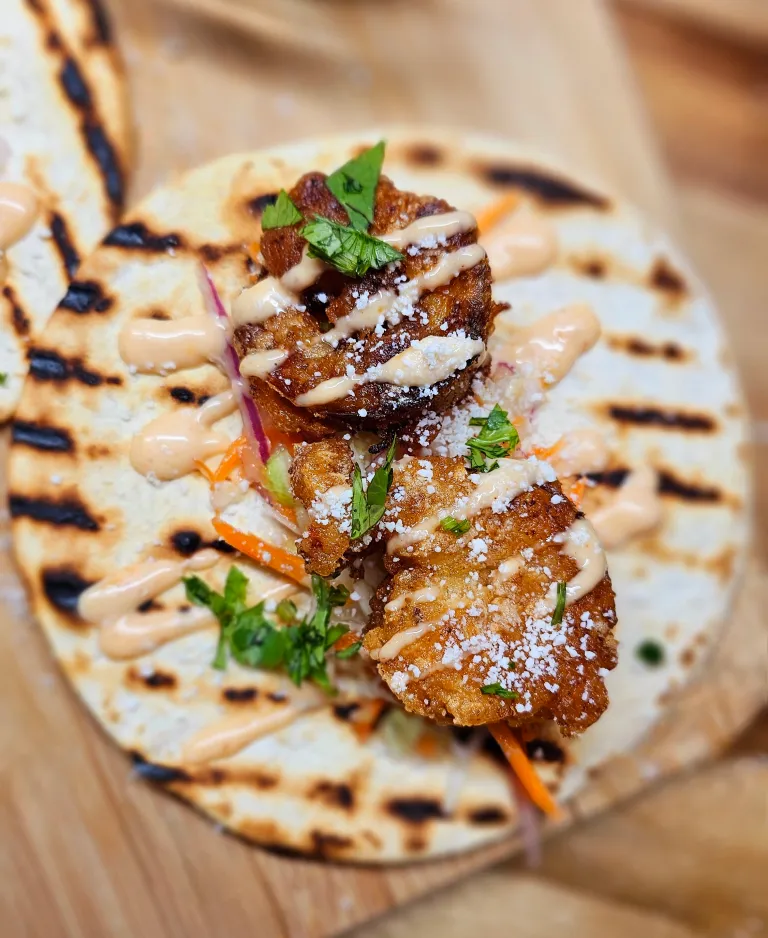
(475, 609)
(463, 306)
(321, 479)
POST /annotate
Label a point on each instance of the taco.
(64, 159)
(322, 546)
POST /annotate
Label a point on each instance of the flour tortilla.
(64, 118)
(80, 511)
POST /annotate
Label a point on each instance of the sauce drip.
(427, 361)
(500, 486)
(634, 509)
(260, 364)
(580, 452)
(261, 302)
(114, 603)
(583, 547)
(523, 247)
(551, 346)
(169, 446)
(444, 225)
(156, 346)
(428, 594)
(401, 640)
(234, 732)
(19, 208)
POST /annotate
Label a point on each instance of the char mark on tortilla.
(49, 365)
(665, 278)
(41, 437)
(240, 694)
(19, 319)
(658, 417)
(489, 815)
(257, 205)
(62, 587)
(416, 810)
(70, 257)
(137, 236)
(552, 190)
(85, 296)
(65, 513)
(160, 774)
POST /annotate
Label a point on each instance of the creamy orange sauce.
(304, 274)
(583, 547)
(580, 452)
(136, 634)
(261, 302)
(262, 363)
(549, 347)
(235, 731)
(523, 247)
(633, 510)
(113, 604)
(444, 225)
(157, 346)
(401, 640)
(508, 568)
(169, 446)
(502, 485)
(427, 594)
(19, 208)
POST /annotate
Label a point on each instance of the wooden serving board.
(89, 850)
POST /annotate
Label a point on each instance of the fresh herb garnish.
(3, 379)
(496, 690)
(255, 641)
(651, 652)
(354, 185)
(350, 651)
(282, 213)
(368, 504)
(496, 439)
(352, 252)
(287, 612)
(455, 526)
(557, 615)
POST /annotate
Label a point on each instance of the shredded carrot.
(492, 214)
(426, 746)
(204, 471)
(346, 641)
(575, 491)
(364, 727)
(232, 459)
(547, 452)
(277, 559)
(523, 769)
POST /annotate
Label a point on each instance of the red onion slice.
(252, 425)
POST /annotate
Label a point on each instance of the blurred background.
(665, 101)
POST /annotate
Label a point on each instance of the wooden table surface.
(119, 859)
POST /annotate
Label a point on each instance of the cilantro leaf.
(350, 651)
(497, 439)
(255, 641)
(496, 690)
(455, 526)
(368, 506)
(352, 252)
(354, 185)
(3, 379)
(557, 615)
(281, 214)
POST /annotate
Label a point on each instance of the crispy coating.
(464, 304)
(321, 477)
(490, 619)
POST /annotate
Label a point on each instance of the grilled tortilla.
(655, 388)
(65, 130)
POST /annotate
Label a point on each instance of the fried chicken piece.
(464, 307)
(465, 611)
(321, 479)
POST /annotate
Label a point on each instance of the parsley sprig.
(354, 185)
(557, 615)
(281, 214)
(253, 640)
(368, 505)
(351, 251)
(496, 690)
(497, 439)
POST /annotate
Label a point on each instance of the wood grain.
(90, 851)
